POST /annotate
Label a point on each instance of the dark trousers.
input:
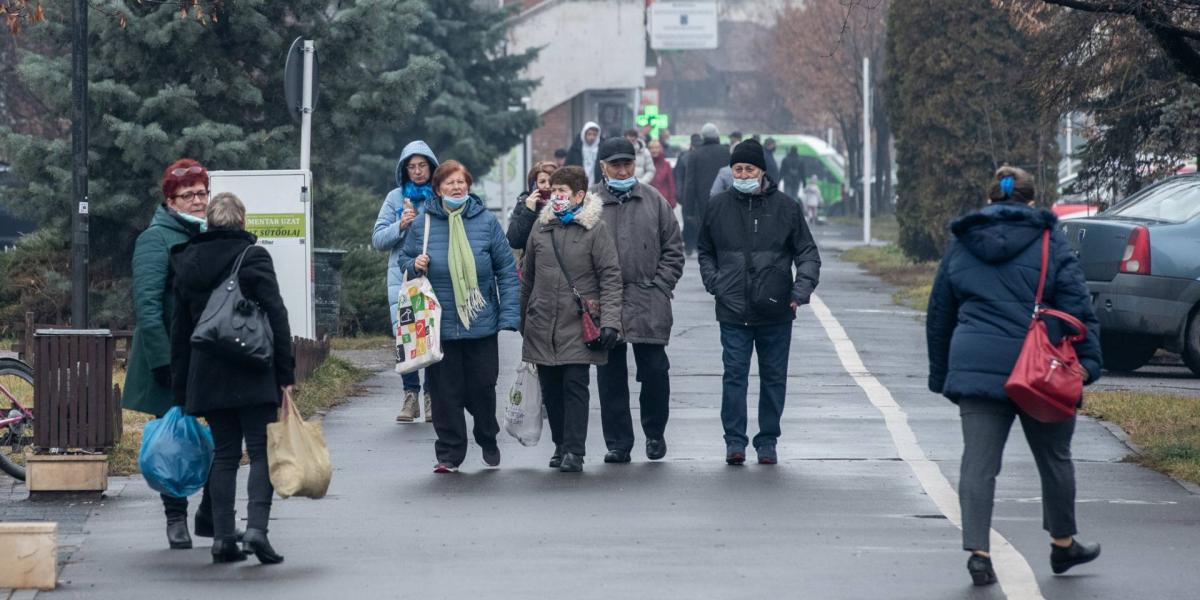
(464, 379)
(773, 343)
(176, 508)
(412, 381)
(653, 372)
(229, 428)
(985, 425)
(565, 395)
(691, 229)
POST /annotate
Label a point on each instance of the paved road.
(846, 514)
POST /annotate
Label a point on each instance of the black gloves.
(162, 375)
(609, 338)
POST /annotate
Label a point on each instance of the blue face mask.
(622, 185)
(746, 186)
(456, 203)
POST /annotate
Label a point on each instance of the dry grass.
(915, 279)
(1165, 426)
(364, 342)
(334, 381)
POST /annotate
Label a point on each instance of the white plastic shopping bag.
(523, 412)
(418, 322)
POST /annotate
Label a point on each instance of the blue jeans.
(773, 343)
(412, 381)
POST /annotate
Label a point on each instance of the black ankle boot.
(556, 458)
(177, 534)
(980, 568)
(256, 541)
(226, 551)
(1062, 559)
(203, 527)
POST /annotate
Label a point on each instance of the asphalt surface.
(841, 516)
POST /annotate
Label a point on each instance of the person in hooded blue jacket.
(979, 313)
(474, 276)
(401, 207)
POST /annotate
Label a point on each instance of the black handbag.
(234, 327)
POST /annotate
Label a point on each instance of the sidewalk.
(842, 516)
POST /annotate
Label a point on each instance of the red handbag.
(1047, 380)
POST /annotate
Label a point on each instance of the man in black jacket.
(750, 238)
(702, 165)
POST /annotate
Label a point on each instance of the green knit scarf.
(468, 300)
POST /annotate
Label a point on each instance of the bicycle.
(16, 416)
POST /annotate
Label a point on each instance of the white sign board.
(279, 212)
(683, 25)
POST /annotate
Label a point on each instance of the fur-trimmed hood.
(588, 216)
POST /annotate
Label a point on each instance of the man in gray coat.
(650, 250)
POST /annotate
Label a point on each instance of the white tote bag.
(523, 412)
(418, 322)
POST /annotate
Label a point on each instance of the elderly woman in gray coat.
(570, 261)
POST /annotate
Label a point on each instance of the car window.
(1175, 201)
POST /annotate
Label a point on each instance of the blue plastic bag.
(176, 454)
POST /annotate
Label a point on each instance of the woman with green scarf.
(474, 276)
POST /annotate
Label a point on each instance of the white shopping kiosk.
(279, 212)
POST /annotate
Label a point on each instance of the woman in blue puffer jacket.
(474, 276)
(979, 312)
(414, 172)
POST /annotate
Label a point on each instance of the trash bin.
(77, 405)
(327, 290)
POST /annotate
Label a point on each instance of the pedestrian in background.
(664, 177)
(584, 149)
(724, 179)
(571, 252)
(651, 253)
(471, 269)
(237, 401)
(560, 157)
(703, 163)
(644, 168)
(792, 171)
(177, 219)
(529, 205)
(978, 316)
(772, 165)
(752, 237)
(812, 201)
(400, 208)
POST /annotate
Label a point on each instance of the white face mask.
(746, 186)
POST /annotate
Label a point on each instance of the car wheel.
(1191, 344)
(1126, 352)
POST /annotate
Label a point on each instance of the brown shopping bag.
(297, 455)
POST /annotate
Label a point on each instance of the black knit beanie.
(749, 152)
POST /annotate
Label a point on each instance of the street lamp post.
(79, 171)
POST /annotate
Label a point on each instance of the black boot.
(256, 541)
(177, 534)
(556, 458)
(226, 550)
(571, 463)
(1062, 559)
(980, 568)
(204, 527)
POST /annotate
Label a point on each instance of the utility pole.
(306, 108)
(866, 157)
(79, 171)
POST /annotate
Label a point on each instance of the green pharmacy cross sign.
(651, 117)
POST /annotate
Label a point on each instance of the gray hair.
(226, 211)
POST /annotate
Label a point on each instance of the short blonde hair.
(226, 211)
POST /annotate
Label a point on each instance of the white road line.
(1016, 578)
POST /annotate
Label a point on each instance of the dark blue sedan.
(1141, 259)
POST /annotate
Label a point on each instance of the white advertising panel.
(279, 212)
(683, 25)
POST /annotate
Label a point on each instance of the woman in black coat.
(238, 401)
(979, 312)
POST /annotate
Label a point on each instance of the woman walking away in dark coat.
(979, 312)
(570, 250)
(471, 269)
(238, 401)
(148, 380)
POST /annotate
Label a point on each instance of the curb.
(1124, 438)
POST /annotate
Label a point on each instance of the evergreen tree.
(164, 85)
(959, 111)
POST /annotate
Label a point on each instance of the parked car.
(1141, 259)
(1075, 206)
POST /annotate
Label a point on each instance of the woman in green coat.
(148, 378)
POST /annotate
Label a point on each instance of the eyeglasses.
(413, 167)
(181, 171)
(189, 196)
